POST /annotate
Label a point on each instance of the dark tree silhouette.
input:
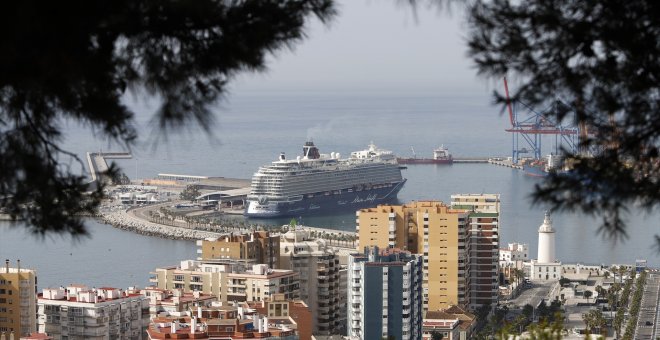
(190, 193)
(601, 61)
(75, 60)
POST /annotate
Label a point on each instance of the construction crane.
(531, 125)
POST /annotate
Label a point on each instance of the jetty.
(471, 160)
(96, 161)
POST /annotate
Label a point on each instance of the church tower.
(546, 241)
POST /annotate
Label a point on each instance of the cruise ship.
(317, 183)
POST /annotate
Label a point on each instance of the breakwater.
(123, 220)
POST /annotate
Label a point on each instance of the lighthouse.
(546, 241)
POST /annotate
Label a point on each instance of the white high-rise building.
(78, 312)
(546, 241)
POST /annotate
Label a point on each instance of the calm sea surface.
(253, 128)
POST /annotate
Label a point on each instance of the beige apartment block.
(319, 269)
(484, 215)
(384, 227)
(258, 246)
(79, 312)
(431, 229)
(18, 300)
(229, 280)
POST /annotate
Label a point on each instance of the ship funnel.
(282, 157)
(310, 151)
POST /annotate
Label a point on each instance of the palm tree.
(622, 270)
(612, 299)
(601, 291)
(520, 275)
(594, 319)
(587, 294)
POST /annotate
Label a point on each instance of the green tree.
(595, 320)
(542, 310)
(120, 178)
(587, 294)
(83, 58)
(597, 62)
(190, 193)
(482, 313)
(519, 274)
(528, 311)
(435, 335)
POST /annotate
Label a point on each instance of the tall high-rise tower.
(18, 301)
(546, 241)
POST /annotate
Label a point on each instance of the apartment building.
(175, 301)
(435, 231)
(277, 307)
(258, 246)
(226, 322)
(384, 294)
(18, 300)
(229, 280)
(453, 323)
(484, 216)
(385, 226)
(78, 312)
(318, 266)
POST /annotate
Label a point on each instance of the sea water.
(253, 128)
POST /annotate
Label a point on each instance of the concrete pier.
(504, 162)
(471, 160)
(96, 161)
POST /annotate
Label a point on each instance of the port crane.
(531, 125)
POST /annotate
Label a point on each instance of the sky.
(375, 45)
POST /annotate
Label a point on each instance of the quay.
(96, 161)
(501, 161)
(504, 162)
(471, 160)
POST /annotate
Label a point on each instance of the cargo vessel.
(440, 156)
(541, 167)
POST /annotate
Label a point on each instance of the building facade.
(175, 301)
(78, 313)
(279, 307)
(258, 246)
(319, 269)
(484, 215)
(437, 232)
(224, 322)
(514, 252)
(384, 294)
(18, 300)
(228, 280)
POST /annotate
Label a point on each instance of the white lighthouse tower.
(546, 241)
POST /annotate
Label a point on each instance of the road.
(533, 295)
(649, 312)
